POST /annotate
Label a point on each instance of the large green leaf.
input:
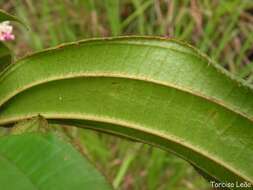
(161, 92)
(34, 161)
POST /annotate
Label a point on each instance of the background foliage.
(223, 29)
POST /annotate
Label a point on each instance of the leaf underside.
(157, 91)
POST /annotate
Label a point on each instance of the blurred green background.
(223, 29)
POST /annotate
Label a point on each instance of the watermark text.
(236, 184)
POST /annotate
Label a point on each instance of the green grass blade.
(122, 170)
(136, 13)
(113, 14)
(141, 19)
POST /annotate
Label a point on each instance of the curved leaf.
(4, 16)
(62, 167)
(162, 92)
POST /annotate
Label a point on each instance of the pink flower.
(6, 31)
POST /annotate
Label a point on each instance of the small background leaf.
(43, 161)
(5, 56)
(4, 16)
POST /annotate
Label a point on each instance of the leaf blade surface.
(158, 91)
